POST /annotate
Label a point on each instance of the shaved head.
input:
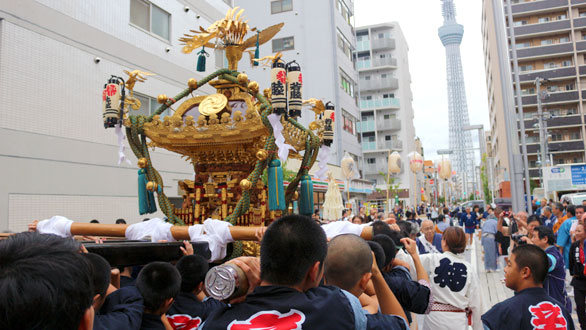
(427, 228)
(349, 257)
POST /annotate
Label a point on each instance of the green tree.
(390, 184)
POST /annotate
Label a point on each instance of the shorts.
(470, 230)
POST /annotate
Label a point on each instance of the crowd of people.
(411, 272)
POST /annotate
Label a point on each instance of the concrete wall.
(313, 24)
(56, 157)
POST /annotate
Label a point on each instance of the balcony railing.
(379, 83)
(363, 45)
(366, 126)
(549, 74)
(380, 103)
(384, 43)
(558, 146)
(375, 168)
(385, 62)
(538, 6)
(537, 51)
(393, 145)
(388, 125)
(543, 27)
(568, 96)
(368, 145)
(364, 64)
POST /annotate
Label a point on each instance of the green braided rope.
(312, 144)
(243, 205)
(186, 92)
(137, 142)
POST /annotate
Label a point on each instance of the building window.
(562, 17)
(388, 95)
(527, 67)
(387, 117)
(520, 23)
(570, 87)
(528, 91)
(348, 123)
(543, 20)
(387, 138)
(366, 77)
(371, 160)
(564, 39)
(148, 106)
(280, 6)
(552, 89)
(550, 65)
(151, 18)
(383, 76)
(344, 11)
(523, 44)
(283, 44)
(345, 45)
(347, 84)
(546, 42)
(567, 63)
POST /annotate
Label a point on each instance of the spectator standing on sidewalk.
(577, 271)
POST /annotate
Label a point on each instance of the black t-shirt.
(188, 312)
(576, 267)
(529, 309)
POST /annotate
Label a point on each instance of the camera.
(97, 60)
(517, 239)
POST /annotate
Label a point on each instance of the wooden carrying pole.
(179, 232)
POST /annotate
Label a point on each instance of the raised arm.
(386, 299)
(411, 248)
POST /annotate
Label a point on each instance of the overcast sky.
(419, 21)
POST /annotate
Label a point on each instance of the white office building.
(319, 35)
(385, 102)
(56, 158)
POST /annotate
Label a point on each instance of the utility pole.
(542, 153)
(543, 147)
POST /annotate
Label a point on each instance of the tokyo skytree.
(460, 140)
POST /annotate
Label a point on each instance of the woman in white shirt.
(454, 285)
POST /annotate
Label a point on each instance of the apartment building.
(551, 45)
(385, 101)
(319, 35)
(56, 158)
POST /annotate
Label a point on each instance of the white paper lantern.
(415, 161)
(348, 167)
(394, 163)
(444, 169)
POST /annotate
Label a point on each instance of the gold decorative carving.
(213, 104)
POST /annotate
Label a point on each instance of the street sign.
(431, 181)
(444, 152)
(579, 175)
(564, 177)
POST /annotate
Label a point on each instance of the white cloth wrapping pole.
(336, 228)
(216, 233)
(323, 156)
(57, 225)
(156, 229)
(121, 146)
(284, 148)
